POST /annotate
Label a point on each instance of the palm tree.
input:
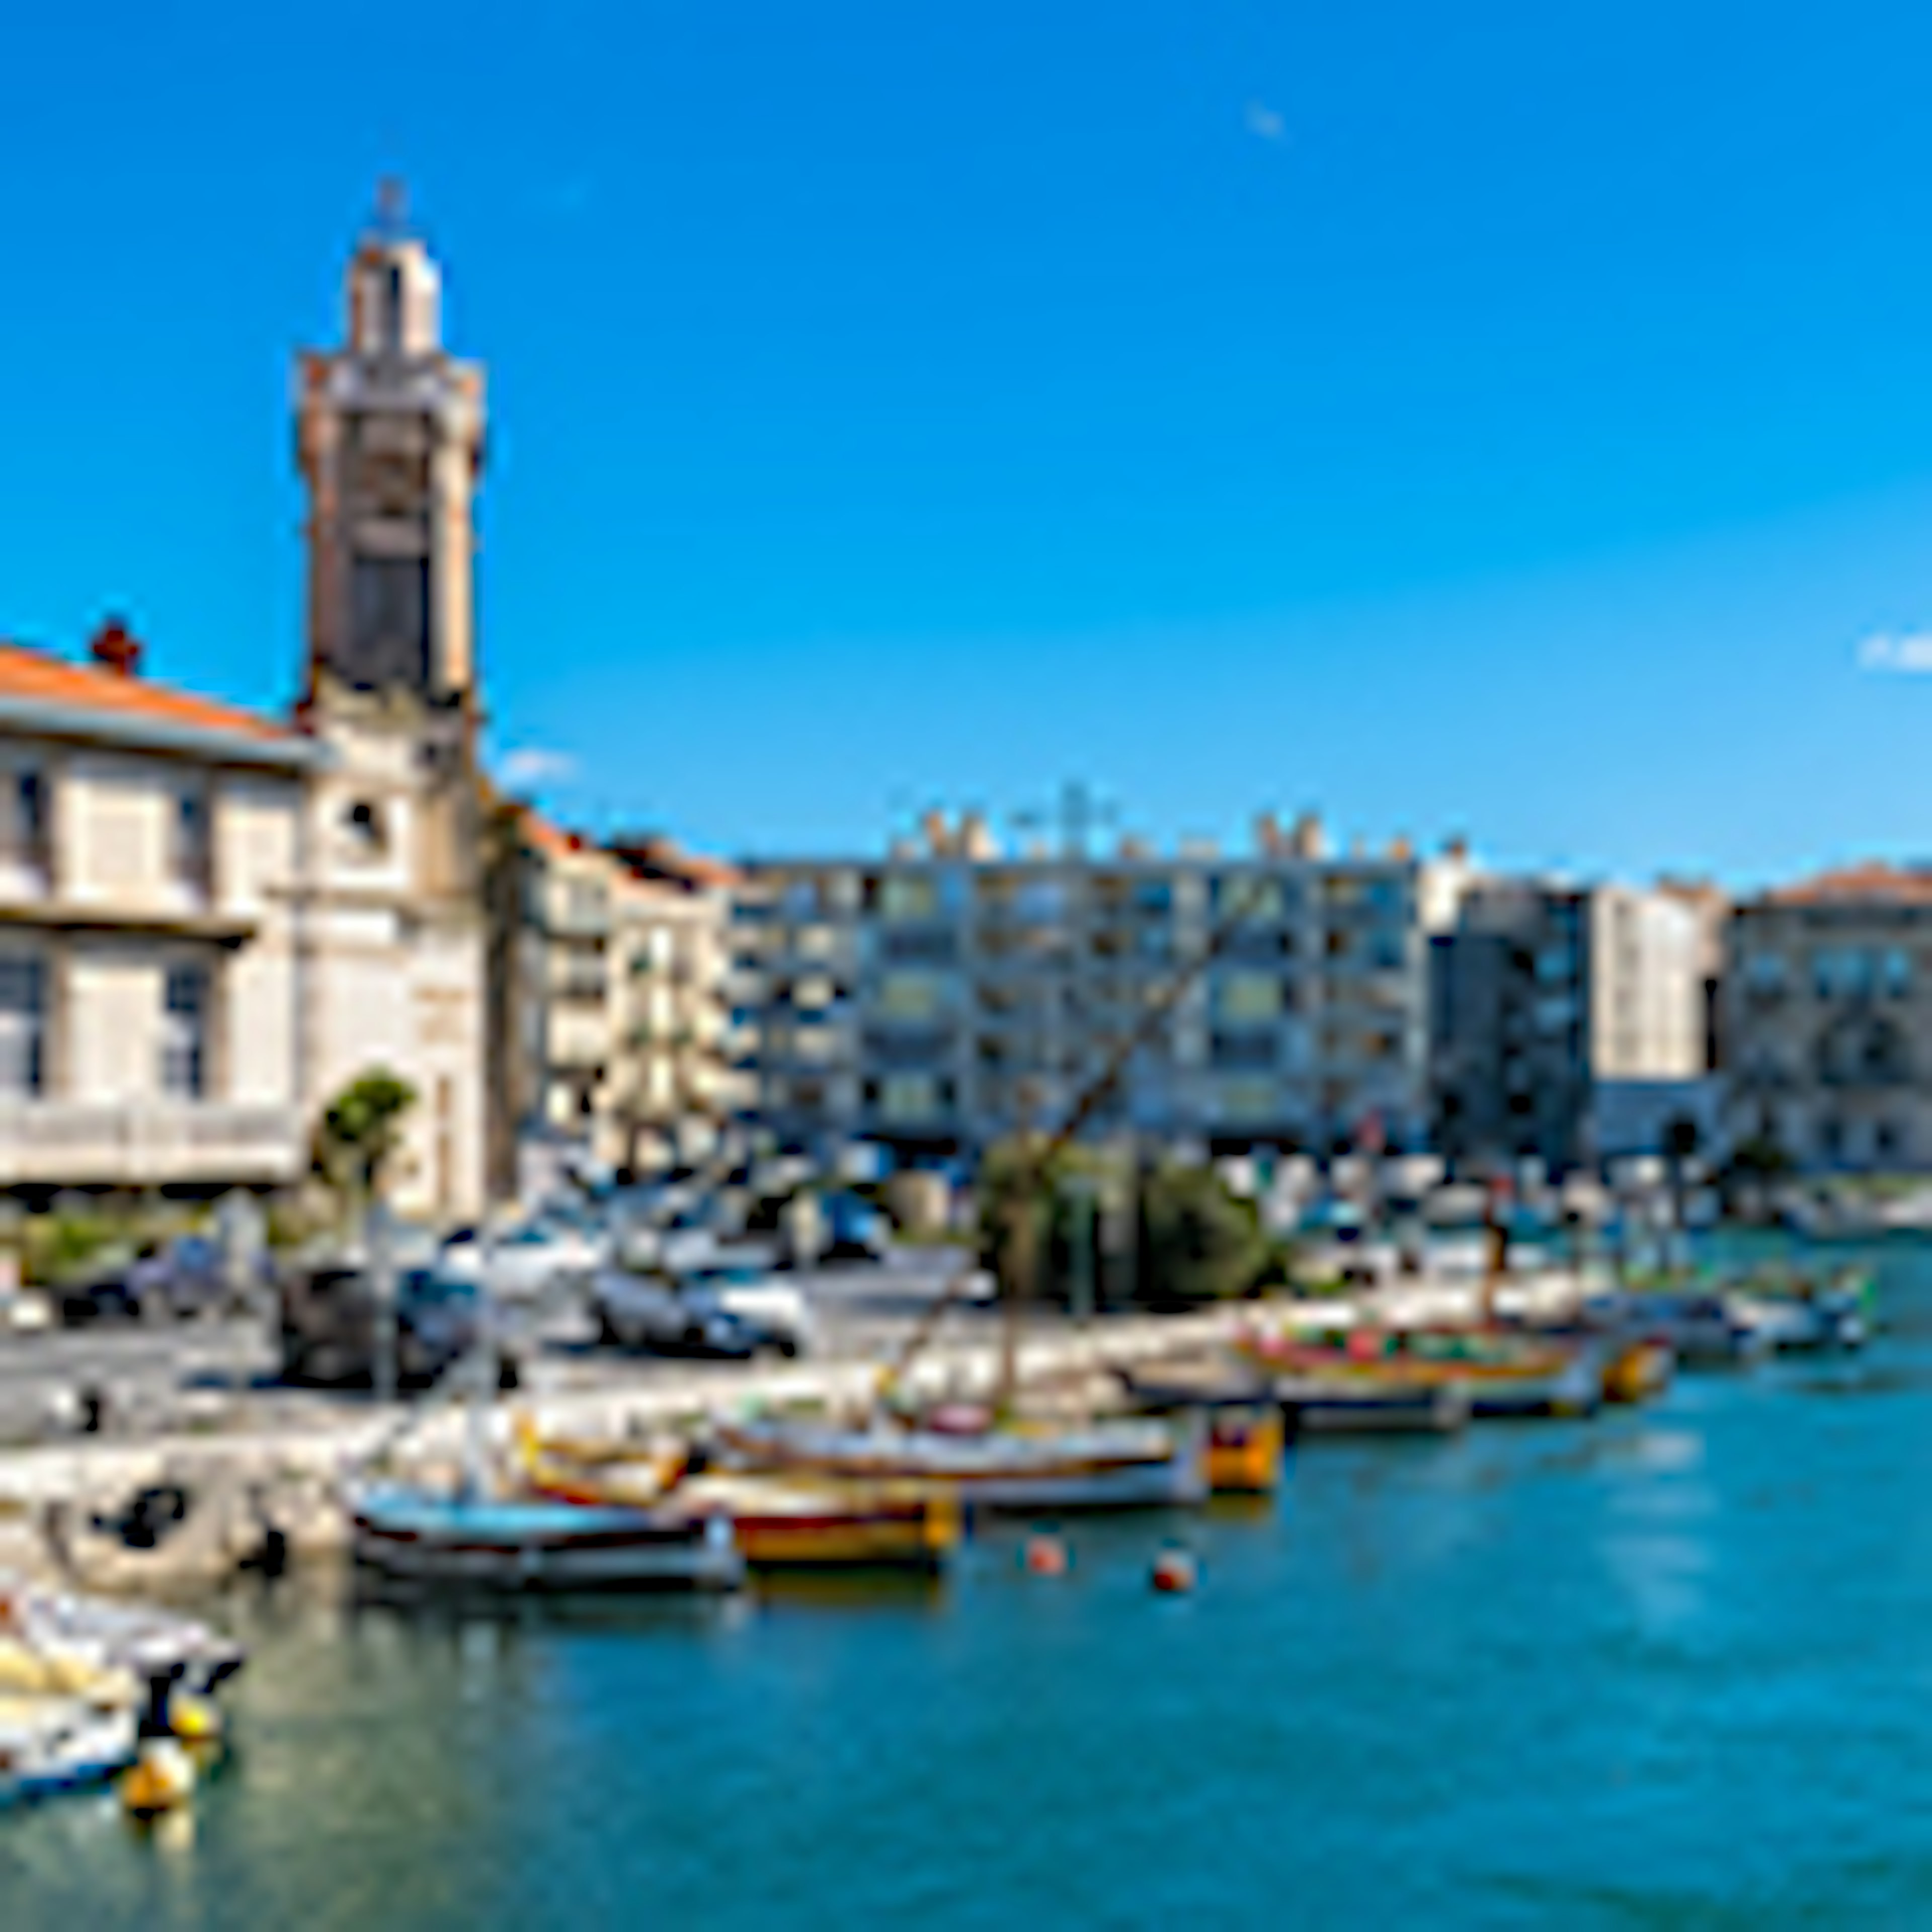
(361, 1129)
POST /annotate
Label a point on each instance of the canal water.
(1670, 1668)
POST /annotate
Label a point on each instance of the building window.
(185, 1014)
(191, 850)
(368, 830)
(392, 308)
(1895, 973)
(23, 817)
(22, 1027)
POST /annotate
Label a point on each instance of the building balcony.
(77, 1143)
(578, 921)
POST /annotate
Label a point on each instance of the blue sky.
(1502, 419)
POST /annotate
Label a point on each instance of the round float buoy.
(162, 1780)
(1175, 1572)
(196, 1719)
(1045, 1556)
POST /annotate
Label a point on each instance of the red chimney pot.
(115, 648)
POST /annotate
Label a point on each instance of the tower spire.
(391, 221)
(391, 444)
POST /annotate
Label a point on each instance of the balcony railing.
(60, 1143)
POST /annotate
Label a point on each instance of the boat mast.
(1036, 1162)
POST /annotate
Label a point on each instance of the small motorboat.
(52, 1744)
(471, 1539)
(1113, 1465)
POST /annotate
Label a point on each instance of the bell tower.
(390, 439)
(392, 941)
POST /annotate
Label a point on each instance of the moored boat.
(1805, 1324)
(1371, 1406)
(1247, 1431)
(1120, 1465)
(1499, 1374)
(1246, 1448)
(1635, 1370)
(776, 1522)
(416, 1536)
(1703, 1331)
(53, 1744)
(1568, 1382)
(144, 1642)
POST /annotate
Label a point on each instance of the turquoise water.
(1671, 1668)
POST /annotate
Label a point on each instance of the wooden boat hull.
(1246, 1450)
(778, 1524)
(1123, 1466)
(921, 1537)
(1574, 1388)
(1319, 1408)
(539, 1545)
(1636, 1371)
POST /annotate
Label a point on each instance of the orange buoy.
(1175, 1572)
(1045, 1556)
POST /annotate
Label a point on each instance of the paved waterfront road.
(152, 1372)
(143, 1369)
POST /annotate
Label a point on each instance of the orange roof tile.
(29, 676)
(660, 859)
(547, 837)
(1874, 880)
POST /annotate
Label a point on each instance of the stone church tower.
(390, 440)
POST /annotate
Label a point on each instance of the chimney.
(115, 648)
(1305, 838)
(933, 824)
(976, 841)
(1267, 835)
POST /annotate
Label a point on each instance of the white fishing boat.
(144, 1641)
(52, 1744)
(1124, 1464)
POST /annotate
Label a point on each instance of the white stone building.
(152, 961)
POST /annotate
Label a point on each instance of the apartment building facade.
(1827, 1020)
(1571, 1023)
(608, 1014)
(940, 997)
(152, 962)
(675, 1092)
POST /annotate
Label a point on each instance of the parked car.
(184, 1277)
(854, 1230)
(26, 1311)
(660, 1313)
(777, 1315)
(526, 1263)
(329, 1327)
(98, 1292)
